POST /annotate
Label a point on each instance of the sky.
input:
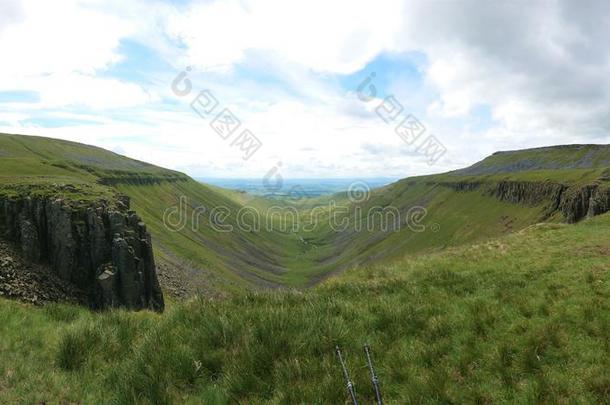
(238, 88)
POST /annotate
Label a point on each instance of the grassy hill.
(504, 193)
(46, 158)
(467, 301)
(563, 157)
(524, 318)
(208, 260)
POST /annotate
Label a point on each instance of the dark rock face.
(599, 202)
(525, 192)
(103, 250)
(575, 203)
(30, 244)
(34, 283)
(587, 201)
(462, 185)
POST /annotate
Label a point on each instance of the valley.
(487, 284)
(249, 202)
(274, 242)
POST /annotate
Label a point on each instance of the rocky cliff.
(586, 201)
(100, 246)
(575, 202)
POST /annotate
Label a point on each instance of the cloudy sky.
(480, 76)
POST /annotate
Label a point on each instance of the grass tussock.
(526, 320)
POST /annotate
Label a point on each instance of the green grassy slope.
(457, 217)
(223, 261)
(24, 156)
(227, 260)
(520, 319)
(539, 159)
(452, 219)
(218, 261)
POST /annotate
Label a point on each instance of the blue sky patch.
(139, 63)
(388, 69)
(19, 97)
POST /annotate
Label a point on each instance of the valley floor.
(520, 319)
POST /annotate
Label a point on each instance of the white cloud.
(331, 36)
(60, 36)
(10, 12)
(540, 66)
(58, 49)
(93, 92)
(541, 69)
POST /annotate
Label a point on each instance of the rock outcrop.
(527, 192)
(100, 247)
(34, 283)
(574, 202)
(141, 179)
(461, 185)
(586, 201)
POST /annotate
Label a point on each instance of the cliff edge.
(99, 245)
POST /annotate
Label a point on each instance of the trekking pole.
(350, 385)
(374, 379)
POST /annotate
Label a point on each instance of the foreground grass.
(523, 319)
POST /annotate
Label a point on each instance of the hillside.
(194, 259)
(257, 202)
(520, 319)
(563, 157)
(25, 157)
(504, 193)
(468, 300)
